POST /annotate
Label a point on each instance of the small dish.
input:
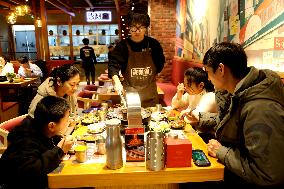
(96, 128)
(87, 121)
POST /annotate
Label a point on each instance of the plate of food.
(87, 121)
(158, 116)
(177, 124)
(17, 80)
(87, 138)
(90, 118)
(96, 128)
(121, 114)
(173, 115)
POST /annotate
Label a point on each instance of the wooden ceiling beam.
(16, 1)
(90, 3)
(117, 7)
(4, 12)
(5, 4)
(65, 5)
(63, 8)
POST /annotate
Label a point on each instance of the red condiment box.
(178, 152)
(134, 144)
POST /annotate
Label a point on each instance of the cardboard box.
(178, 152)
(134, 144)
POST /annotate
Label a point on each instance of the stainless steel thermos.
(113, 144)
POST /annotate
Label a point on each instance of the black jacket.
(29, 157)
(119, 56)
(88, 56)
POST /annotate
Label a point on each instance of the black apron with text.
(140, 76)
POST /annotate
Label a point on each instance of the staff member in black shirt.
(89, 60)
(140, 58)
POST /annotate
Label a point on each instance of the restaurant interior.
(50, 34)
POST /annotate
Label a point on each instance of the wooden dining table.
(12, 88)
(14, 85)
(17, 92)
(135, 174)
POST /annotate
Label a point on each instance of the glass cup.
(101, 145)
(81, 152)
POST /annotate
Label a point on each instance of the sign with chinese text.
(98, 16)
(279, 43)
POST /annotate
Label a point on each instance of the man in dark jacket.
(250, 131)
(33, 150)
(88, 57)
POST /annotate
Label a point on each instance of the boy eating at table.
(36, 146)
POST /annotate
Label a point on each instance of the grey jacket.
(252, 130)
(46, 89)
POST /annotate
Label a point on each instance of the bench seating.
(5, 128)
(50, 64)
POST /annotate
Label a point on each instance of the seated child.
(35, 148)
(195, 94)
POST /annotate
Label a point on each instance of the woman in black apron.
(140, 58)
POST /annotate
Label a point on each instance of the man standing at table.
(139, 57)
(250, 135)
(88, 57)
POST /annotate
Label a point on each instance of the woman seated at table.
(63, 82)
(195, 94)
(5, 66)
(34, 150)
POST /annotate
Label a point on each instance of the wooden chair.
(8, 110)
(87, 99)
(6, 127)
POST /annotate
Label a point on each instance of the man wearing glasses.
(139, 57)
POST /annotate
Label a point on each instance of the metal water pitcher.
(155, 151)
(113, 144)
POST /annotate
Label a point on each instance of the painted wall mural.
(258, 18)
(258, 26)
(192, 34)
(268, 52)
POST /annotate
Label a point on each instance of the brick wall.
(163, 28)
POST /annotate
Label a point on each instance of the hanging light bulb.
(26, 9)
(19, 11)
(11, 18)
(22, 10)
(38, 22)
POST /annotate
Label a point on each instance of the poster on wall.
(268, 52)
(192, 34)
(234, 21)
(259, 17)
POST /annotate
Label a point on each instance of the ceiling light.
(38, 22)
(11, 18)
(22, 10)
